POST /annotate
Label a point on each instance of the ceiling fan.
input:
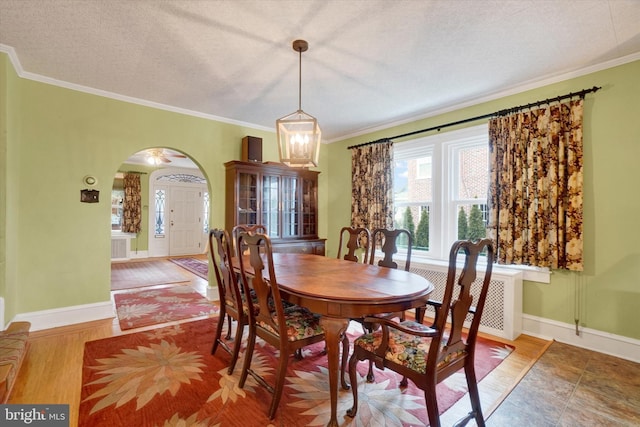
(157, 156)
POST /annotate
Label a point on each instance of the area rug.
(196, 266)
(160, 305)
(168, 377)
(129, 275)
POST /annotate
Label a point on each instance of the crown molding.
(532, 84)
(80, 88)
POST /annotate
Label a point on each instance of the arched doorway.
(175, 206)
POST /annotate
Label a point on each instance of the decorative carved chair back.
(355, 241)
(256, 228)
(221, 257)
(387, 240)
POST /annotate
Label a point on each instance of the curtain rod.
(504, 112)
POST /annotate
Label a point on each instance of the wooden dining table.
(341, 290)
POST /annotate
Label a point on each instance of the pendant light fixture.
(298, 133)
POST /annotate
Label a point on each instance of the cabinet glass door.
(270, 194)
(290, 209)
(247, 198)
(309, 209)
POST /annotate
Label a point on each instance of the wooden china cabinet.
(282, 198)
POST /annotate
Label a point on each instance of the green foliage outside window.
(422, 233)
(463, 225)
(477, 229)
(473, 227)
(409, 224)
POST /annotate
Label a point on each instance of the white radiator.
(120, 247)
(502, 314)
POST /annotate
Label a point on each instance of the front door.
(185, 220)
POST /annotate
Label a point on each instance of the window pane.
(412, 180)
(117, 196)
(160, 212)
(205, 210)
(472, 221)
(473, 172)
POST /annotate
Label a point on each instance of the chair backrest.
(387, 240)
(221, 257)
(258, 273)
(354, 241)
(457, 303)
(256, 228)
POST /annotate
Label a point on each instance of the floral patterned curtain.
(132, 204)
(536, 187)
(372, 185)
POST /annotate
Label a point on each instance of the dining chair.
(287, 329)
(428, 354)
(355, 242)
(387, 240)
(231, 304)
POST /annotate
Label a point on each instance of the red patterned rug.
(160, 305)
(196, 266)
(168, 377)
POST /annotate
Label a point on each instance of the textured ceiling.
(370, 63)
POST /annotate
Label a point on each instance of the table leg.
(333, 330)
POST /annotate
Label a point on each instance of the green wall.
(606, 296)
(3, 176)
(55, 251)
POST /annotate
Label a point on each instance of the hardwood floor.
(52, 369)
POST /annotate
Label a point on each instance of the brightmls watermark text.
(34, 415)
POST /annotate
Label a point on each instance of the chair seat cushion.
(301, 323)
(405, 349)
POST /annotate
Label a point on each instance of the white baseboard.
(591, 339)
(47, 319)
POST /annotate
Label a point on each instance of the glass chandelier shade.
(298, 133)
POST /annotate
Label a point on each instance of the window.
(159, 217)
(440, 189)
(205, 210)
(117, 197)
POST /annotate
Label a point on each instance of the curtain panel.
(536, 187)
(132, 204)
(372, 185)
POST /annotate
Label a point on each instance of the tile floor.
(573, 387)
